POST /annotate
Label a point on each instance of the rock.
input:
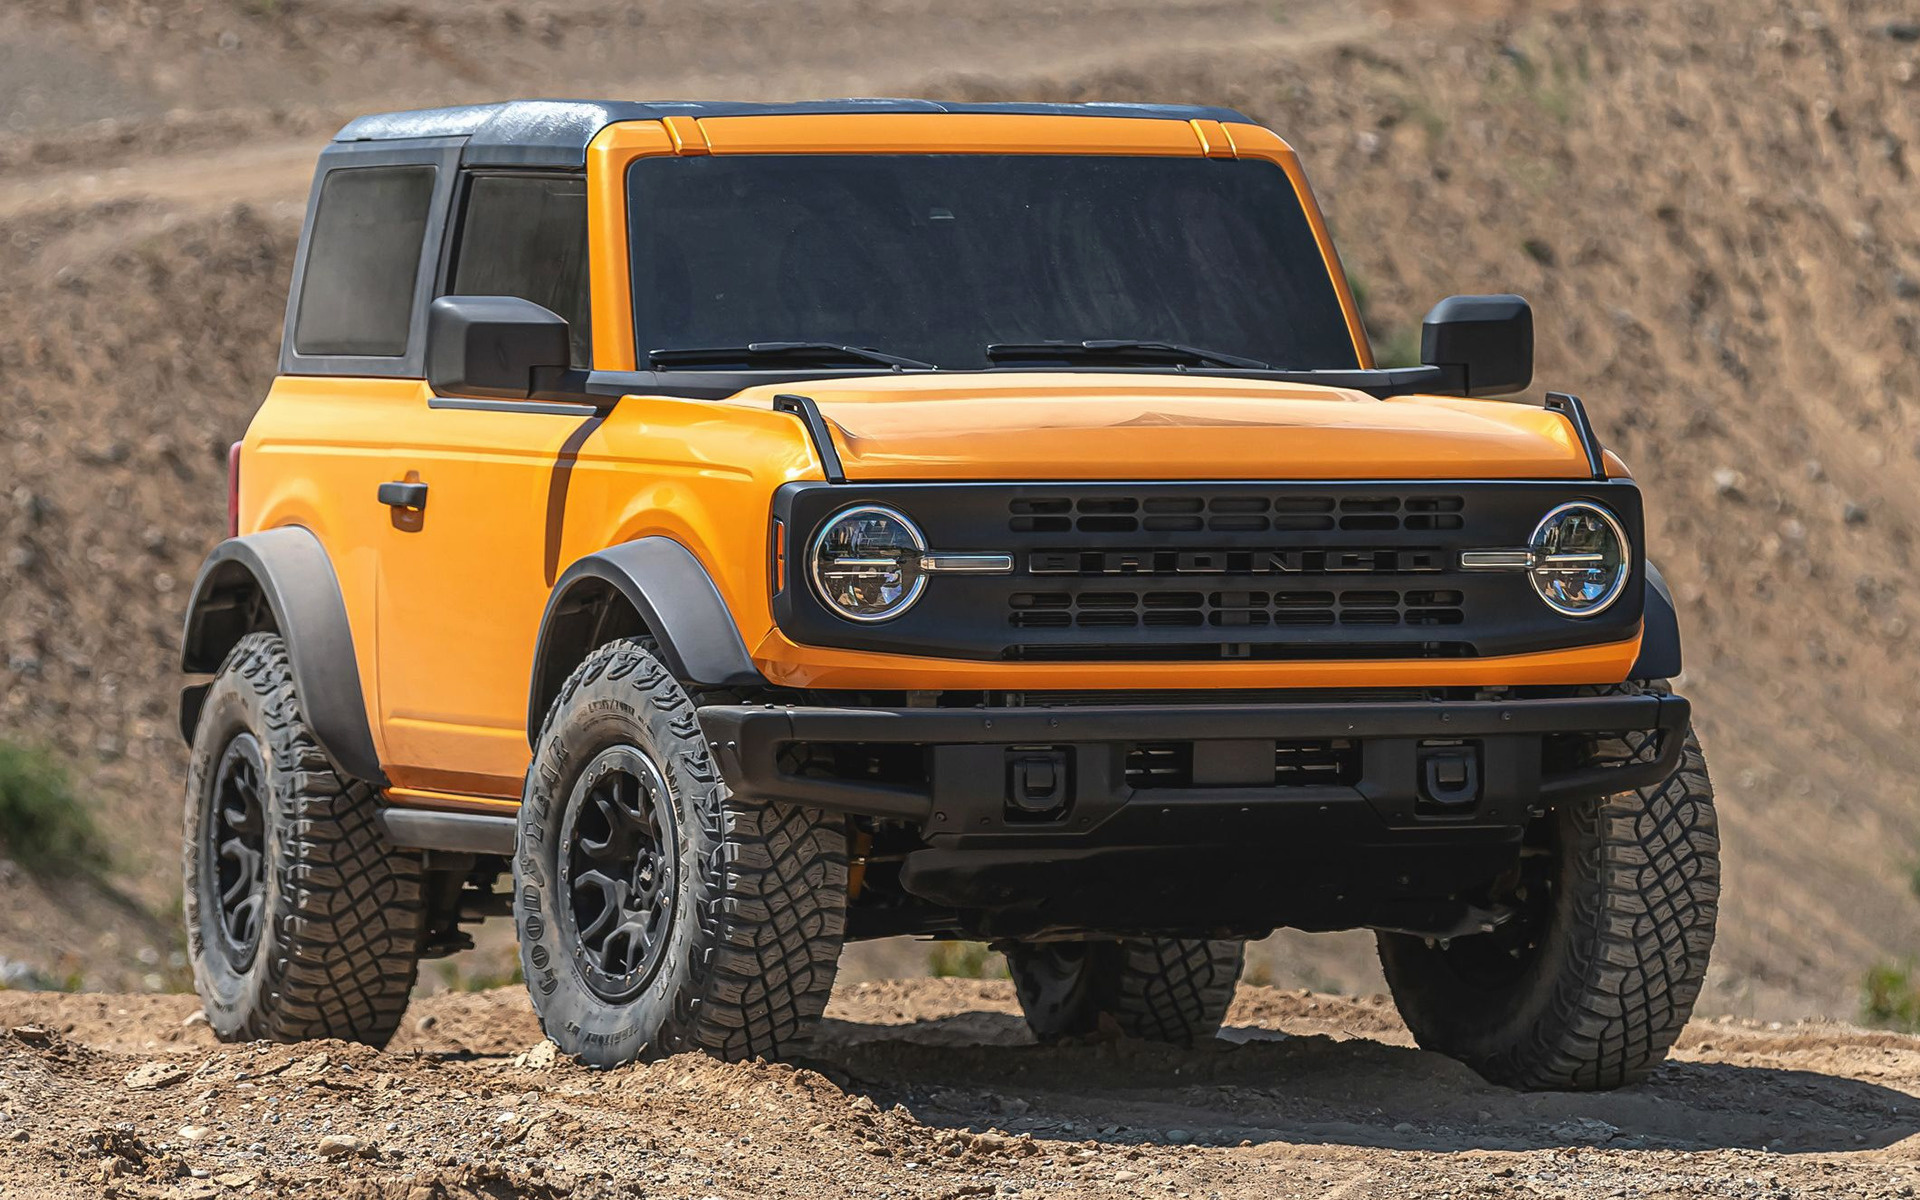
(1179, 1137)
(1125, 1176)
(32, 1035)
(155, 1075)
(235, 1179)
(1585, 1129)
(340, 1145)
(539, 1058)
(18, 1135)
(1853, 514)
(1405, 1127)
(311, 1067)
(1903, 31)
(427, 1024)
(194, 1133)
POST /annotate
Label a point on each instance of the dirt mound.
(1710, 204)
(931, 1088)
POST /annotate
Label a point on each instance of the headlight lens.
(1581, 559)
(865, 563)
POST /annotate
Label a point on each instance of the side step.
(456, 832)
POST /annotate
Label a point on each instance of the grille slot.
(1102, 609)
(1237, 513)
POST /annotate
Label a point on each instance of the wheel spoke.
(243, 919)
(612, 894)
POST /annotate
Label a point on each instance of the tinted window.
(362, 261)
(526, 236)
(935, 256)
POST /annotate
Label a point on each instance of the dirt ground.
(929, 1088)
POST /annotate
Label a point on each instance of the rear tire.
(656, 912)
(1157, 989)
(1590, 988)
(302, 922)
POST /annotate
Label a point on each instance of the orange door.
(316, 455)
(464, 579)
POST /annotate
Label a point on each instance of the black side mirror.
(491, 346)
(1483, 342)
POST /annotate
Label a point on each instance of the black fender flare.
(677, 603)
(281, 579)
(1660, 632)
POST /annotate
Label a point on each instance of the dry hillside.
(1709, 202)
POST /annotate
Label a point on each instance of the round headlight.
(865, 563)
(1581, 559)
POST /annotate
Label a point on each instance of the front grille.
(1191, 571)
(1327, 762)
(1247, 610)
(1237, 513)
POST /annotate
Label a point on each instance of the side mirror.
(491, 346)
(1485, 342)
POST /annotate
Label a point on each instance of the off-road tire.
(341, 912)
(758, 899)
(1156, 989)
(1615, 968)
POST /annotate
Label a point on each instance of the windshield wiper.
(708, 355)
(1124, 348)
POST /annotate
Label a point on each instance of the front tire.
(656, 912)
(1157, 989)
(1590, 985)
(301, 921)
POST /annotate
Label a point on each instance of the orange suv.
(753, 527)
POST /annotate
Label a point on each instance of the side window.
(526, 236)
(362, 261)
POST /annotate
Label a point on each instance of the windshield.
(937, 257)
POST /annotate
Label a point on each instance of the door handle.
(404, 495)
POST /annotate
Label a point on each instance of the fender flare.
(282, 580)
(1660, 633)
(677, 604)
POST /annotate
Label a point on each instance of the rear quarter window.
(363, 258)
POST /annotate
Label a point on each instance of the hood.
(1060, 425)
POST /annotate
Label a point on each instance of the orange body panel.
(445, 612)
(1048, 426)
(782, 661)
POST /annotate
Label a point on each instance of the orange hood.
(1113, 426)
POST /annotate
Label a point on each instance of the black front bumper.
(1407, 808)
(966, 794)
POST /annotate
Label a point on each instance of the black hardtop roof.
(555, 133)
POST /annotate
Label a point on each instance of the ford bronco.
(752, 527)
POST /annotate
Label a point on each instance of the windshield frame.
(618, 147)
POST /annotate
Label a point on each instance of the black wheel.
(301, 921)
(656, 912)
(1159, 989)
(1590, 983)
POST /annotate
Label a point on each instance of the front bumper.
(1508, 748)
(1202, 820)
